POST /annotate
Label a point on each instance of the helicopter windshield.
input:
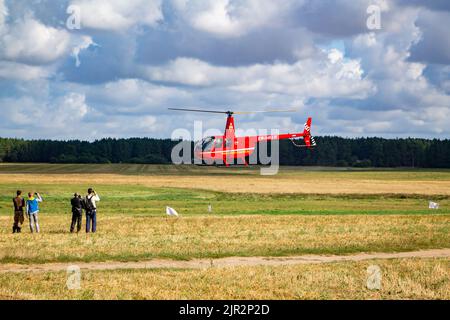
(204, 145)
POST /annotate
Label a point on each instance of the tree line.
(330, 151)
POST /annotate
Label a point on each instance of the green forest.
(330, 151)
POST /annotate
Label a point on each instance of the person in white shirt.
(90, 206)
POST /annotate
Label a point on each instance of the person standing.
(90, 205)
(19, 204)
(77, 212)
(32, 207)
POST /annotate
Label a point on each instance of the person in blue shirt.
(32, 207)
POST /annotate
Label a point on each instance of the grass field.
(401, 279)
(299, 211)
(238, 180)
(130, 239)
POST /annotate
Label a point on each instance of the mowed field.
(289, 180)
(313, 211)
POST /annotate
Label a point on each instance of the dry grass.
(131, 229)
(128, 238)
(401, 279)
(287, 182)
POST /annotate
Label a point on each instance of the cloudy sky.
(116, 73)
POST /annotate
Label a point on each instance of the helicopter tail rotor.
(308, 140)
(307, 137)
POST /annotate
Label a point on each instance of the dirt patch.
(223, 262)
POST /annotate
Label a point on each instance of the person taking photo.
(77, 212)
(90, 205)
(32, 209)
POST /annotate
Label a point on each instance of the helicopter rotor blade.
(197, 110)
(264, 111)
(232, 112)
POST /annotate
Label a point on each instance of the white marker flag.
(171, 212)
(433, 205)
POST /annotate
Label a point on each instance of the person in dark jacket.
(77, 212)
(19, 204)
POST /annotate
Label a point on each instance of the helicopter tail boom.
(309, 141)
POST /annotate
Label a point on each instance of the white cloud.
(18, 111)
(118, 15)
(3, 13)
(18, 71)
(401, 83)
(28, 40)
(375, 83)
(134, 95)
(71, 107)
(29, 48)
(60, 113)
(84, 44)
(230, 18)
(32, 116)
(191, 72)
(309, 77)
(335, 55)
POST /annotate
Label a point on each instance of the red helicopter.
(224, 149)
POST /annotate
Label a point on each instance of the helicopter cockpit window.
(218, 143)
(204, 145)
(228, 143)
